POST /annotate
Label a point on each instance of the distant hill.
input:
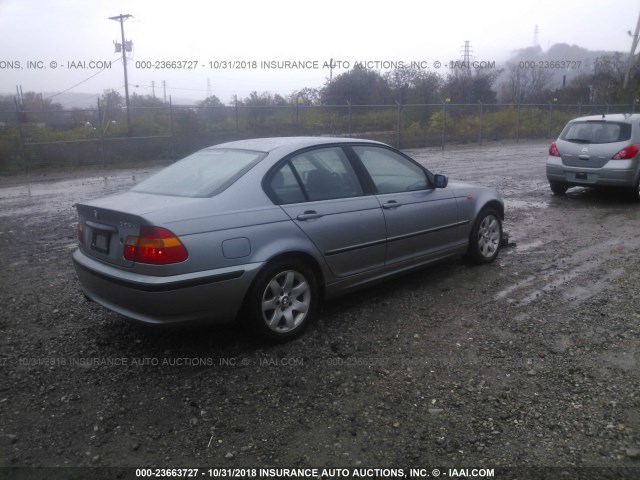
(73, 100)
(577, 60)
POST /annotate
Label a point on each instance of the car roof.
(287, 143)
(613, 117)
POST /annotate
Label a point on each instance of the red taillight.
(627, 153)
(155, 245)
(80, 230)
(553, 150)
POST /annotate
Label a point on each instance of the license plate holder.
(581, 176)
(100, 241)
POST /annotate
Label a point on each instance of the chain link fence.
(102, 136)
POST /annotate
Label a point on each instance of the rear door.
(420, 219)
(321, 193)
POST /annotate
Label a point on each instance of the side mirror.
(441, 181)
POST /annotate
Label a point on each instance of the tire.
(282, 301)
(486, 237)
(558, 188)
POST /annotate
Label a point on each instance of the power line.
(80, 83)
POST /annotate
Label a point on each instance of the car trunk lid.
(102, 233)
(588, 155)
(107, 222)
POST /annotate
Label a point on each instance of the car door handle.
(309, 215)
(391, 204)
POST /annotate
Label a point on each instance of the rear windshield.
(202, 174)
(596, 132)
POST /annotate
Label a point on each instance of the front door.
(421, 220)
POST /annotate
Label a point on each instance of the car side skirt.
(362, 280)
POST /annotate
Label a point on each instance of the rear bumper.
(616, 173)
(212, 296)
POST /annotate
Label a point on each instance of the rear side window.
(596, 132)
(315, 175)
(326, 173)
(285, 186)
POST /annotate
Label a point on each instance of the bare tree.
(526, 85)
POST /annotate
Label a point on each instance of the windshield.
(596, 132)
(202, 174)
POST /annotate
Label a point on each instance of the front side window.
(391, 172)
(202, 174)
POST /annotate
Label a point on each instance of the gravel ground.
(529, 362)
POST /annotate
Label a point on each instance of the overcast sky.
(200, 31)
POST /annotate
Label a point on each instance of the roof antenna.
(603, 116)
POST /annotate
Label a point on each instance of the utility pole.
(466, 53)
(153, 88)
(634, 45)
(164, 88)
(121, 18)
(20, 96)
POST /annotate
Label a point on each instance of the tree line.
(361, 86)
(411, 101)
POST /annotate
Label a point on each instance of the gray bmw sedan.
(260, 230)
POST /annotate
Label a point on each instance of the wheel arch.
(293, 256)
(305, 258)
(495, 204)
(247, 317)
(473, 253)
